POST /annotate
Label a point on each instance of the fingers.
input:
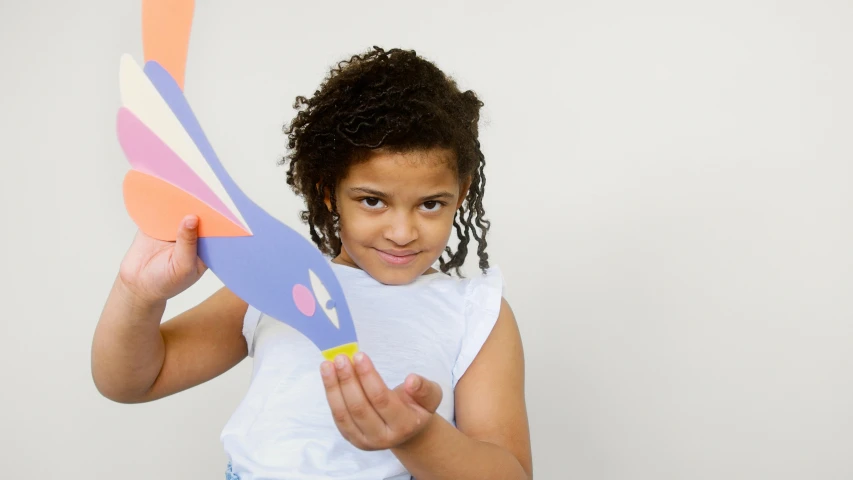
(363, 414)
(386, 403)
(367, 413)
(427, 393)
(353, 413)
(186, 244)
(338, 405)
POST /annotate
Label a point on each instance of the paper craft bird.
(175, 172)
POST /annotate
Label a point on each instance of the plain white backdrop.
(669, 185)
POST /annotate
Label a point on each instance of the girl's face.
(396, 212)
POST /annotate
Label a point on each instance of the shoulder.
(486, 289)
(504, 339)
(499, 362)
(481, 306)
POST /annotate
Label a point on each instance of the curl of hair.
(397, 101)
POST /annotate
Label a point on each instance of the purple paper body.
(264, 268)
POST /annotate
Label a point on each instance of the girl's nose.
(402, 230)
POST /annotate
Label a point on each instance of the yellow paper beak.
(349, 349)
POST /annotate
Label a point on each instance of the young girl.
(386, 156)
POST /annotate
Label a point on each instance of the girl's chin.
(391, 269)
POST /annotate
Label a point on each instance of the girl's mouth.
(397, 257)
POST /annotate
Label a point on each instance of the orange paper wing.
(157, 207)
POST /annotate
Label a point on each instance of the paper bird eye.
(323, 298)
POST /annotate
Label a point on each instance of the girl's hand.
(367, 413)
(153, 271)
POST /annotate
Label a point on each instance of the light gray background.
(670, 188)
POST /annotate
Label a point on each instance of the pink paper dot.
(304, 300)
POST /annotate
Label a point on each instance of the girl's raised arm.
(135, 358)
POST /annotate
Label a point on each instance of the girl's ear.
(463, 191)
(327, 199)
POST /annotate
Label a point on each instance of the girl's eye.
(371, 202)
(432, 206)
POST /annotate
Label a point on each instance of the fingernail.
(416, 383)
(191, 222)
(358, 357)
(326, 368)
(340, 361)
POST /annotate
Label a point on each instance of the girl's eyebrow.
(436, 196)
(368, 191)
(378, 194)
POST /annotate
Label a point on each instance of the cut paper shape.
(166, 28)
(263, 268)
(141, 97)
(263, 261)
(148, 154)
(323, 298)
(305, 302)
(158, 207)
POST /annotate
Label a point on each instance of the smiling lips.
(397, 257)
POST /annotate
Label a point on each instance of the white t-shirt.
(283, 428)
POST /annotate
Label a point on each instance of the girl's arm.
(134, 357)
(137, 359)
(492, 440)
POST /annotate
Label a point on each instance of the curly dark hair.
(393, 100)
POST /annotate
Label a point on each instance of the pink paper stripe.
(148, 154)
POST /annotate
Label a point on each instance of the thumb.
(426, 392)
(186, 244)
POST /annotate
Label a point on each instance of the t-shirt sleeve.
(483, 297)
(250, 323)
